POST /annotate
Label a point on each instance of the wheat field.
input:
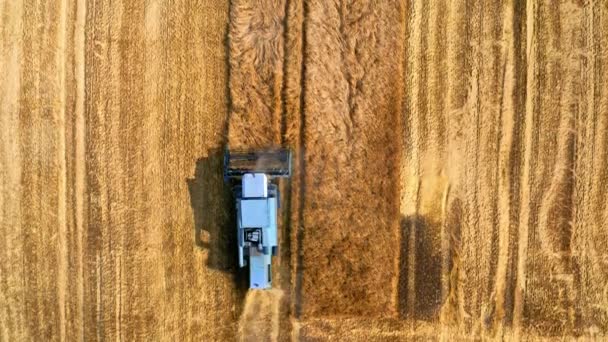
(450, 176)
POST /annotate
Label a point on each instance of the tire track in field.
(154, 116)
(475, 245)
(127, 148)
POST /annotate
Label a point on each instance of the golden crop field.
(450, 174)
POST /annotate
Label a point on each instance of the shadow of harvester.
(213, 209)
(420, 266)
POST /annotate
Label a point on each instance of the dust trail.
(260, 319)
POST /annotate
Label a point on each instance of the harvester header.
(274, 162)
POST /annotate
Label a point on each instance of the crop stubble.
(450, 167)
(110, 114)
(497, 147)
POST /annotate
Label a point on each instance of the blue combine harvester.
(257, 201)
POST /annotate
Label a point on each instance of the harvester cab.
(252, 173)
